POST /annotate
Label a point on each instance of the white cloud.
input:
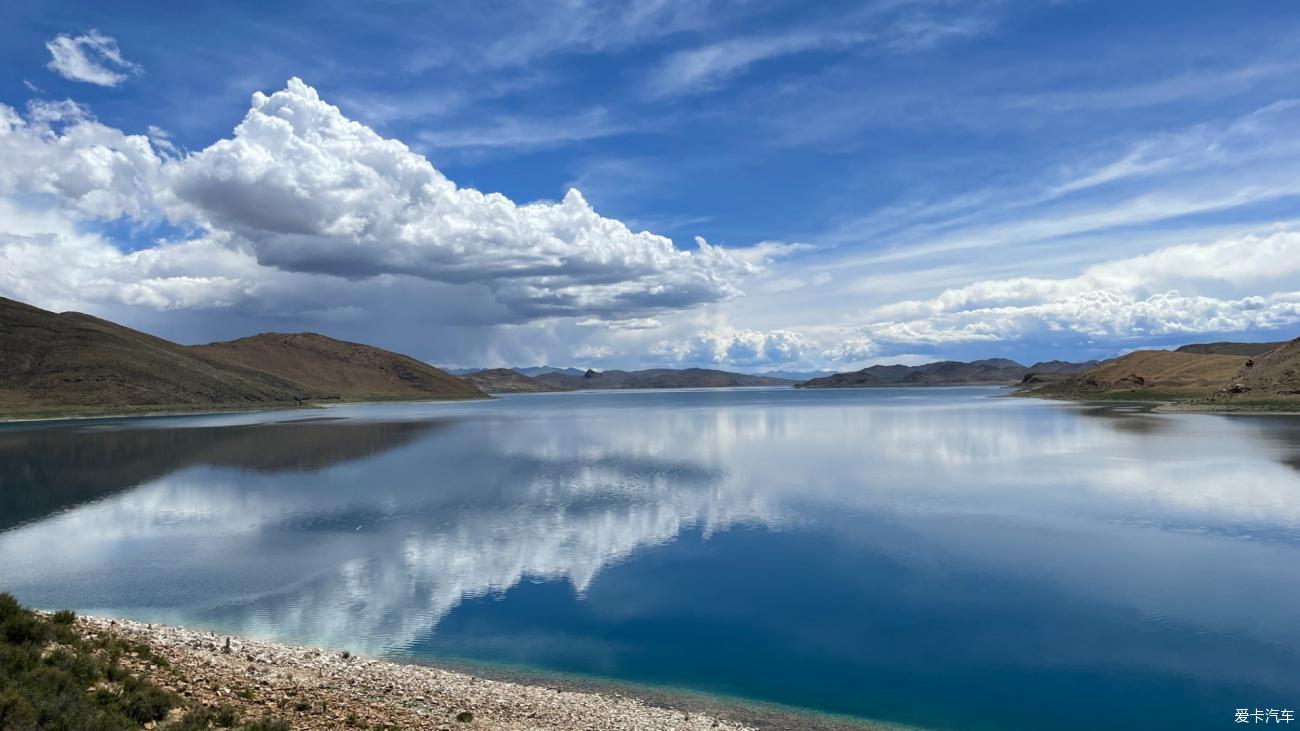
(698, 69)
(91, 57)
(888, 27)
(1184, 289)
(740, 348)
(312, 191)
(638, 323)
(524, 133)
(301, 190)
(59, 150)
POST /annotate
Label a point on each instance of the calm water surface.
(941, 558)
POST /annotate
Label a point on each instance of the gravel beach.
(318, 689)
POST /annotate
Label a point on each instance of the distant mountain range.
(508, 380)
(531, 371)
(550, 378)
(797, 376)
(992, 371)
(658, 378)
(535, 371)
(71, 363)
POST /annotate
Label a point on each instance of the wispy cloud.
(527, 132)
(699, 69)
(894, 27)
(1200, 86)
(91, 57)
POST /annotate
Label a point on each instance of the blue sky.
(898, 180)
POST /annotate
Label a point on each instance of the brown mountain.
(505, 380)
(1272, 376)
(659, 378)
(1224, 348)
(1152, 374)
(350, 371)
(56, 362)
(1062, 367)
(66, 363)
(993, 371)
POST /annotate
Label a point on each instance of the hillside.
(505, 380)
(1153, 374)
(658, 378)
(346, 370)
(1225, 348)
(56, 363)
(993, 371)
(1272, 376)
(1062, 367)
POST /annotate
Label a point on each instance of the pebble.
(377, 692)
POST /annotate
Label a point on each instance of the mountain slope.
(1225, 348)
(1152, 374)
(346, 370)
(659, 378)
(1273, 375)
(505, 380)
(51, 361)
(1062, 367)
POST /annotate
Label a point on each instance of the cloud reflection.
(365, 534)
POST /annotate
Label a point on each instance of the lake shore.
(312, 688)
(125, 412)
(1156, 404)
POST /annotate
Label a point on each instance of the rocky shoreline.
(319, 689)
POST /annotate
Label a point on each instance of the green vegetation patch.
(53, 679)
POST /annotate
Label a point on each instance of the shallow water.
(945, 558)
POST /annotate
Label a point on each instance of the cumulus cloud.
(312, 191)
(1175, 290)
(91, 57)
(741, 348)
(300, 189)
(59, 150)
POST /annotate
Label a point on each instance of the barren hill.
(1226, 348)
(505, 380)
(1154, 374)
(349, 370)
(1273, 375)
(51, 361)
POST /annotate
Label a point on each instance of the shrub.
(42, 689)
(63, 616)
(267, 724)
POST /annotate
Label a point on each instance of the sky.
(746, 185)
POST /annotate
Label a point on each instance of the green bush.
(266, 724)
(225, 717)
(51, 679)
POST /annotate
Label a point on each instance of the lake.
(940, 558)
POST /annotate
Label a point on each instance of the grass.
(54, 679)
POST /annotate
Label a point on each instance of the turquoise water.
(945, 558)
